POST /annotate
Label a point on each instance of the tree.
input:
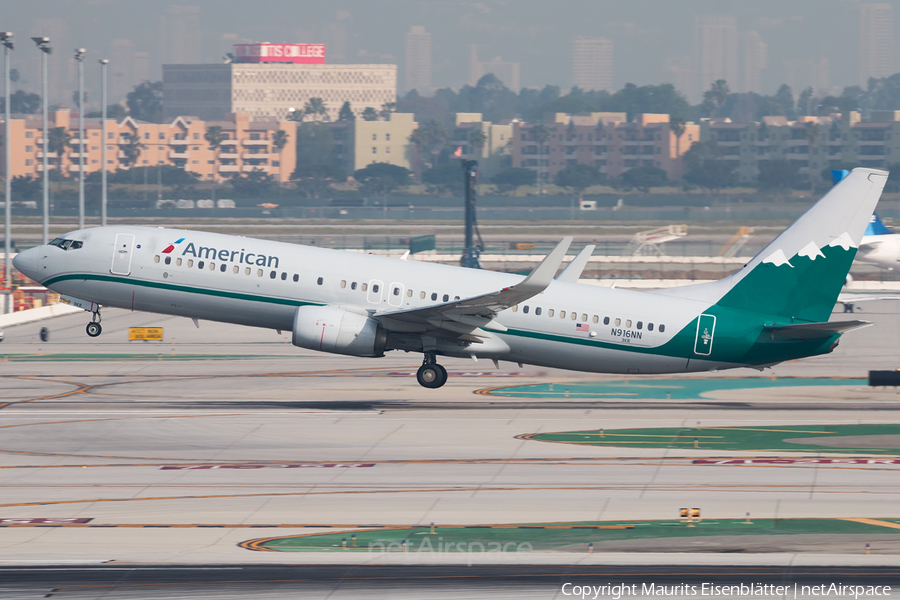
(541, 135)
(76, 101)
(131, 149)
(279, 141)
(295, 115)
(370, 114)
(778, 174)
(382, 178)
(706, 167)
(784, 98)
(58, 139)
(313, 180)
(386, 109)
(446, 178)
(676, 126)
(510, 179)
(117, 112)
(25, 187)
(714, 98)
(430, 137)
(255, 184)
(214, 137)
(315, 108)
(643, 178)
(145, 102)
(813, 133)
(578, 178)
(806, 103)
(21, 102)
(346, 113)
(477, 140)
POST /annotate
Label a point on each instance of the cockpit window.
(67, 244)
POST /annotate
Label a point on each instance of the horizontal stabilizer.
(808, 331)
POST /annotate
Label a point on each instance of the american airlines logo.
(239, 256)
(171, 247)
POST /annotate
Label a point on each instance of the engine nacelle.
(339, 331)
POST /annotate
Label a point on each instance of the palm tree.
(58, 140)
(435, 138)
(813, 133)
(370, 114)
(131, 148)
(541, 135)
(386, 109)
(279, 141)
(477, 140)
(215, 137)
(315, 108)
(676, 126)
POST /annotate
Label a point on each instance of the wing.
(464, 318)
(575, 268)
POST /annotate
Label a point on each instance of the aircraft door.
(376, 289)
(706, 329)
(121, 260)
(395, 294)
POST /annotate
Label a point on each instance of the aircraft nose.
(27, 262)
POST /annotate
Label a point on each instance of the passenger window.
(168, 260)
(212, 266)
(446, 297)
(550, 312)
(628, 323)
(525, 309)
(618, 321)
(177, 262)
(236, 269)
(375, 287)
(223, 267)
(156, 259)
(320, 281)
(662, 328)
(596, 319)
(573, 315)
(353, 286)
(409, 293)
(422, 295)
(273, 275)
(363, 287)
(343, 282)
(537, 311)
(515, 308)
(606, 320)
(199, 264)
(584, 318)
(247, 270)
(259, 272)
(433, 296)
(456, 297)
(297, 278)
(284, 276)
(649, 326)
(640, 324)
(396, 291)
(190, 262)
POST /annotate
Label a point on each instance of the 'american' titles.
(243, 257)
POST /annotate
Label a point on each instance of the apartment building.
(247, 146)
(606, 141)
(836, 140)
(495, 154)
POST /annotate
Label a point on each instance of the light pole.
(43, 44)
(103, 63)
(6, 38)
(79, 56)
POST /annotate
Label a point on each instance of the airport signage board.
(298, 54)
(145, 334)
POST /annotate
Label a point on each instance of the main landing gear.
(93, 328)
(431, 374)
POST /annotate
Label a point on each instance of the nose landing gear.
(430, 374)
(93, 328)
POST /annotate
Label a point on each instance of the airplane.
(880, 246)
(775, 308)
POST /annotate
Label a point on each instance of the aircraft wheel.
(45, 334)
(431, 375)
(93, 329)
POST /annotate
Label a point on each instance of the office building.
(418, 60)
(876, 42)
(592, 64)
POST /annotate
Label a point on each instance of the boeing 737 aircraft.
(775, 308)
(880, 246)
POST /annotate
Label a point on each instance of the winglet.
(575, 268)
(543, 274)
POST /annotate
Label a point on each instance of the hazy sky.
(536, 33)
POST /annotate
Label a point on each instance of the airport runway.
(178, 452)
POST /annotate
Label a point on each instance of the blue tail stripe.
(876, 227)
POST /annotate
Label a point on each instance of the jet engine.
(339, 331)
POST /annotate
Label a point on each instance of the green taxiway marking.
(852, 439)
(114, 357)
(550, 536)
(664, 389)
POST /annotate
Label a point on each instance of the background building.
(507, 72)
(272, 90)
(494, 153)
(715, 50)
(248, 146)
(592, 64)
(876, 42)
(755, 60)
(418, 60)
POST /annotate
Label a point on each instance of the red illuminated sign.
(298, 54)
